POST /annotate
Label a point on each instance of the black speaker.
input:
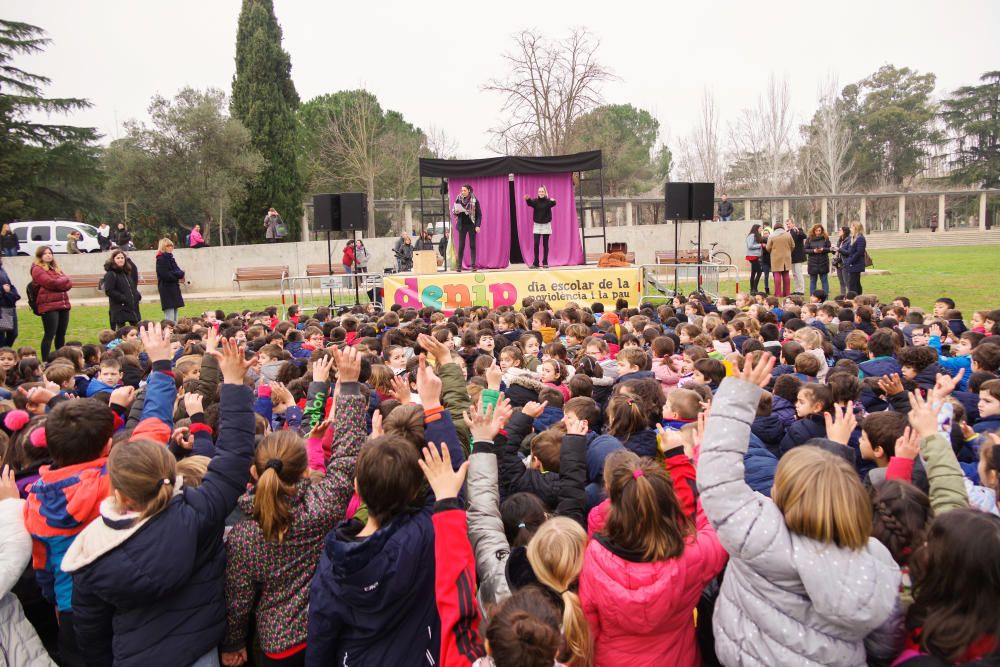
(702, 201)
(326, 213)
(353, 211)
(678, 201)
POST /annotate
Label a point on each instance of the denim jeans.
(824, 278)
(210, 659)
(170, 314)
(798, 277)
(10, 252)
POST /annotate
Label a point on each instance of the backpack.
(32, 290)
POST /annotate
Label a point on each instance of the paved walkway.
(231, 295)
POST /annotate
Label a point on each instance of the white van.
(53, 233)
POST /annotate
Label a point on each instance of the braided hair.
(901, 515)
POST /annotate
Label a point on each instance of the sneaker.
(545, 266)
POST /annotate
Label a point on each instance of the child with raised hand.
(371, 601)
(148, 584)
(806, 582)
(271, 558)
(644, 571)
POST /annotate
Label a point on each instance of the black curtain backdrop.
(495, 166)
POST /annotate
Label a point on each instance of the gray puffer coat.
(786, 599)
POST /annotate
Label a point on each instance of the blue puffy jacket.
(801, 431)
(759, 466)
(157, 598)
(372, 601)
(769, 430)
(880, 367)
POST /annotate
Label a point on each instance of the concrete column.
(901, 222)
(940, 225)
(982, 212)
(863, 214)
(628, 214)
(784, 210)
(746, 210)
(588, 218)
(408, 215)
(822, 212)
(304, 233)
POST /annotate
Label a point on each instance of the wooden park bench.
(86, 280)
(315, 270)
(683, 257)
(256, 273)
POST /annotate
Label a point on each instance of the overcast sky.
(428, 59)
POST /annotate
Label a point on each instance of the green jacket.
(455, 399)
(944, 475)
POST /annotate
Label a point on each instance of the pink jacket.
(643, 613)
(668, 378)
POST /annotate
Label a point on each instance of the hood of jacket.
(880, 366)
(927, 378)
(642, 443)
(66, 498)
(784, 410)
(599, 446)
(770, 429)
(637, 375)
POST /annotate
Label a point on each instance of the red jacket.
(348, 258)
(53, 289)
(455, 586)
(643, 613)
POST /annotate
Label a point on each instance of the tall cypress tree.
(264, 99)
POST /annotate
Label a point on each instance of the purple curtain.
(565, 248)
(493, 241)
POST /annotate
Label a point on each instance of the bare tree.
(348, 149)
(549, 86)
(762, 138)
(700, 153)
(400, 151)
(830, 145)
(441, 144)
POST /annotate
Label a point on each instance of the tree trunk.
(371, 206)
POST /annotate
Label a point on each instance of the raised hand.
(8, 486)
(445, 482)
(534, 409)
(401, 388)
(232, 362)
(428, 385)
(123, 396)
(891, 385)
(923, 415)
(321, 369)
(348, 364)
(193, 403)
(908, 445)
(667, 439)
(155, 342)
(320, 429)
(759, 373)
(377, 430)
(841, 424)
(211, 340)
(945, 385)
(435, 348)
(182, 438)
(493, 376)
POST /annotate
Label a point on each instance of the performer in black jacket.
(469, 217)
(542, 217)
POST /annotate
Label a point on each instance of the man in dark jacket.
(725, 208)
(798, 257)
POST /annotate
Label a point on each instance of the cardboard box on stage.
(424, 262)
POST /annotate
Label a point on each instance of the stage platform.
(448, 290)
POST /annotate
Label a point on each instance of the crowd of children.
(747, 482)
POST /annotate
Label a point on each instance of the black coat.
(122, 288)
(168, 277)
(541, 209)
(120, 237)
(465, 220)
(854, 261)
(818, 263)
(799, 251)
(158, 598)
(9, 240)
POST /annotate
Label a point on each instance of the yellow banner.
(558, 287)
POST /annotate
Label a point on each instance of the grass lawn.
(925, 274)
(967, 274)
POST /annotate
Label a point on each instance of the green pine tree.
(264, 100)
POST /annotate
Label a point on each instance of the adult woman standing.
(121, 237)
(361, 257)
(404, 253)
(348, 259)
(8, 309)
(765, 258)
(121, 284)
(53, 298)
(9, 242)
(425, 242)
(168, 280)
(753, 256)
(274, 226)
(817, 247)
(780, 245)
(840, 259)
(854, 263)
(541, 215)
(468, 218)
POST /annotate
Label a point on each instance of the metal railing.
(350, 289)
(661, 282)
